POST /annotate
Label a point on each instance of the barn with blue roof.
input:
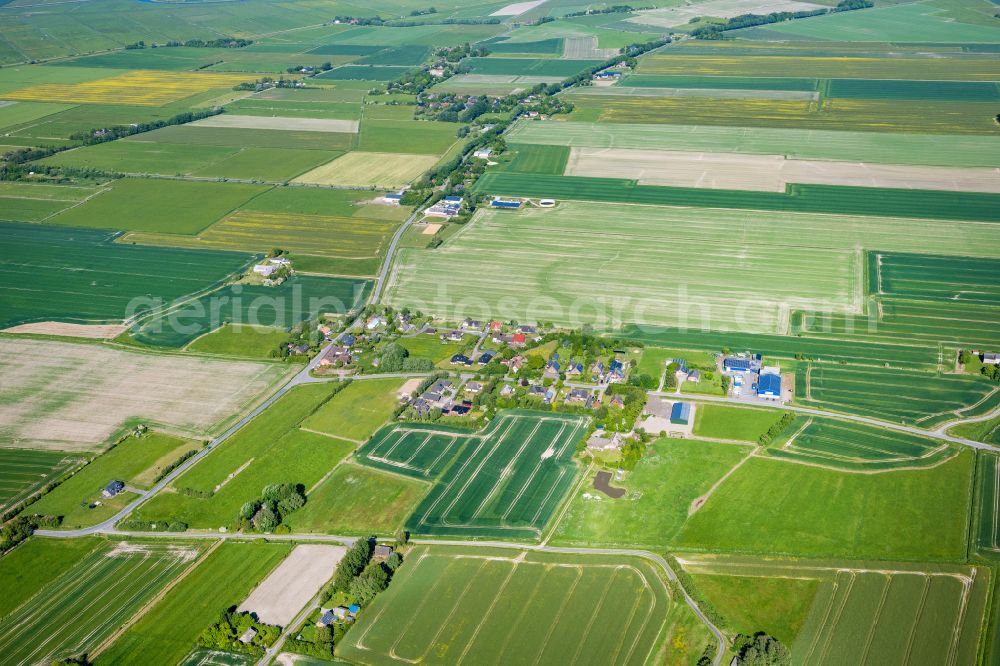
(680, 413)
(769, 386)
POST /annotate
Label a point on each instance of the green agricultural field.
(919, 22)
(364, 73)
(240, 341)
(899, 395)
(299, 298)
(851, 66)
(411, 137)
(359, 500)
(856, 446)
(724, 422)
(509, 258)
(935, 615)
(86, 604)
(350, 241)
(802, 198)
(805, 511)
(447, 605)
(169, 630)
(79, 275)
(943, 116)
(536, 158)
(407, 54)
(192, 135)
(719, 82)
(920, 90)
(167, 206)
(270, 449)
(293, 201)
(255, 106)
(472, 497)
(542, 46)
(361, 169)
(24, 472)
(659, 494)
(780, 605)
(558, 69)
(28, 202)
(788, 347)
(207, 657)
(36, 563)
(987, 516)
(883, 148)
(357, 411)
(135, 461)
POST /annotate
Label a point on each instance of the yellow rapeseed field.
(840, 67)
(138, 87)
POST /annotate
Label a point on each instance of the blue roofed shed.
(680, 413)
(769, 386)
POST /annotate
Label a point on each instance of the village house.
(381, 552)
(113, 488)
(454, 336)
(600, 442)
(461, 359)
(473, 388)
(336, 356)
(472, 324)
(485, 357)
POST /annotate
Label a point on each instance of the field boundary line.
(148, 606)
(567, 502)
(559, 613)
(454, 609)
(875, 618)
(503, 586)
(916, 620)
(699, 502)
(332, 436)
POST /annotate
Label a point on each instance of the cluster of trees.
(358, 578)
(613, 9)
(965, 357)
(225, 634)
(396, 358)
(458, 53)
(105, 134)
(20, 528)
(633, 400)
(761, 650)
(325, 67)
(265, 514)
(775, 430)
(423, 12)
(220, 43)
(268, 82)
(715, 31)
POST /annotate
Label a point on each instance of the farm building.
(497, 202)
(382, 552)
(483, 153)
(991, 359)
(694, 376)
(741, 364)
(769, 385)
(113, 488)
(248, 635)
(266, 270)
(392, 198)
(680, 413)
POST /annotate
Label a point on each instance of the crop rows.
(905, 396)
(81, 608)
(506, 481)
(23, 471)
(988, 497)
(855, 446)
(469, 608)
(418, 451)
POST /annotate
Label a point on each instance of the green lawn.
(168, 206)
(724, 422)
(128, 462)
(671, 475)
(430, 346)
(169, 630)
(777, 606)
(358, 411)
(35, 563)
(810, 512)
(359, 500)
(241, 340)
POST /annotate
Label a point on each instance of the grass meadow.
(724, 422)
(987, 515)
(361, 169)
(170, 629)
(240, 341)
(135, 461)
(359, 500)
(358, 411)
(659, 493)
(446, 606)
(809, 512)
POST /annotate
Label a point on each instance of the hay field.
(287, 589)
(449, 606)
(882, 148)
(359, 169)
(279, 123)
(670, 17)
(140, 88)
(843, 67)
(506, 481)
(73, 397)
(81, 608)
(735, 171)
